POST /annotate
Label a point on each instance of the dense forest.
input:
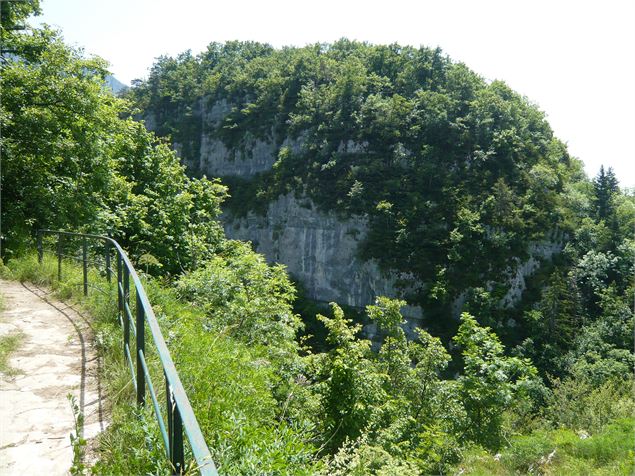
(458, 178)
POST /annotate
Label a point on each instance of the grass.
(560, 452)
(8, 344)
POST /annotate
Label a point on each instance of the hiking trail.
(55, 357)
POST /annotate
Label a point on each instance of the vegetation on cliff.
(456, 175)
(452, 172)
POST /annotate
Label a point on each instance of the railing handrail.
(199, 448)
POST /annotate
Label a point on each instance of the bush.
(577, 404)
(559, 452)
(244, 297)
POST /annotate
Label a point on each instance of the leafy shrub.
(578, 404)
(490, 381)
(242, 296)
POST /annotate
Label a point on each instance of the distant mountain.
(116, 85)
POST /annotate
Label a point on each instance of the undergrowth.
(235, 394)
(559, 452)
(8, 342)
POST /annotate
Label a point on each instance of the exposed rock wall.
(254, 155)
(320, 250)
(516, 278)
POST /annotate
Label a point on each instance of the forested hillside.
(458, 178)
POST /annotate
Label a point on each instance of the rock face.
(318, 248)
(320, 251)
(538, 252)
(215, 160)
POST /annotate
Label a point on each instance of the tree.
(393, 354)
(490, 381)
(605, 186)
(71, 162)
(410, 412)
(349, 386)
(12, 14)
(54, 115)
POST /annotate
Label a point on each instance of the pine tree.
(605, 186)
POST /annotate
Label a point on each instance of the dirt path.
(55, 357)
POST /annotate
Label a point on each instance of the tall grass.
(8, 342)
(560, 452)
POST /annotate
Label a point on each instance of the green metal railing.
(180, 415)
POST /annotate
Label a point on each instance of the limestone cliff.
(319, 248)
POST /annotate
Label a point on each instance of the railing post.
(85, 265)
(107, 255)
(175, 432)
(141, 379)
(126, 300)
(119, 287)
(40, 250)
(59, 257)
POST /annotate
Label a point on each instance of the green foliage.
(70, 162)
(490, 381)
(581, 404)
(383, 412)
(244, 297)
(605, 187)
(54, 115)
(78, 442)
(13, 14)
(470, 170)
(349, 387)
(346, 411)
(9, 343)
(360, 459)
(244, 424)
(457, 178)
(559, 452)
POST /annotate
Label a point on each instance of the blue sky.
(574, 59)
